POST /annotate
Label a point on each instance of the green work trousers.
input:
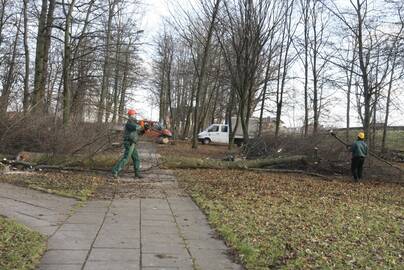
(130, 151)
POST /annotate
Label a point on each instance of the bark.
(3, 20)
(284, 68)
(367, 95)
(26, 100)
(349, 83)
(10, 76)
(106, 65)
(201, 79)
(117, 77)
(316, 107)
(196, 163)
(189, 111)
(124, 83)
(306, 66)
(67, 91)
(42, 54)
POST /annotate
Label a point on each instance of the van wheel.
(206, 141)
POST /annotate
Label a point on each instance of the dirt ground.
(154, 185)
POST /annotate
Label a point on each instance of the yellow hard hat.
(361, 135)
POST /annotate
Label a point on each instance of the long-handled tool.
(333, 134)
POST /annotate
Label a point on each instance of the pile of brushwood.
(323, 154)
(46, 134)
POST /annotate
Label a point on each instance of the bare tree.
(286, 41)
(247, 27)
(106, 64)
(43, 44)
(27, 58)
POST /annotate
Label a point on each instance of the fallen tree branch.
(196, 163)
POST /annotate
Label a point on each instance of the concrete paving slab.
(158, 247)
(91, 265)
(37, 210)
(162, 238)
(166, 260)
(120, 255)
(64, 256)
(171, 229)
(84, 218)
(161, 268)
(60, 267)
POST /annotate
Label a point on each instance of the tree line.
(216, 59)
(73, 59)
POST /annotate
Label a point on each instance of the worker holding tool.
(130, 138)
(359, 151)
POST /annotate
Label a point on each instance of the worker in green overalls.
(359, 151)
(130, 138)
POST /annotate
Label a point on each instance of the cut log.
(196, 163)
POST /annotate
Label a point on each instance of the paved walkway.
(121, 233)
(42, 212)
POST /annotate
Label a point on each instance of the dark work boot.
(139, 176)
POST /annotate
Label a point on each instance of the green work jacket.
(131, 133)
(359, 149)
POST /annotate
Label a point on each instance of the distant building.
(269, 125)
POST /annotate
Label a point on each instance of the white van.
(219, 133)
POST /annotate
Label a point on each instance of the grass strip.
(20, 247)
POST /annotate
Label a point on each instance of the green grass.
(20, 248)
(279, 221)
(73, 185)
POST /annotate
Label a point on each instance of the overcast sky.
(155, 10)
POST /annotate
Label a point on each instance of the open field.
(288, 221)
(20, 248)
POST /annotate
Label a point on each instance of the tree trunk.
(281, 87)
(306, 67)
(106, 65)
(67, 92)
(10, 76)
(349, 82)
(189, 111)
(264, 91)
(201, 79)
(26, 54)
(116, 79)
(364, 73)
(42, 54)
(124, 84)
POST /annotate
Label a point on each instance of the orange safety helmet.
(141, 123)
(131, 112)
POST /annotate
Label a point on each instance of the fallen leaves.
(75, 185)
(294, 221)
